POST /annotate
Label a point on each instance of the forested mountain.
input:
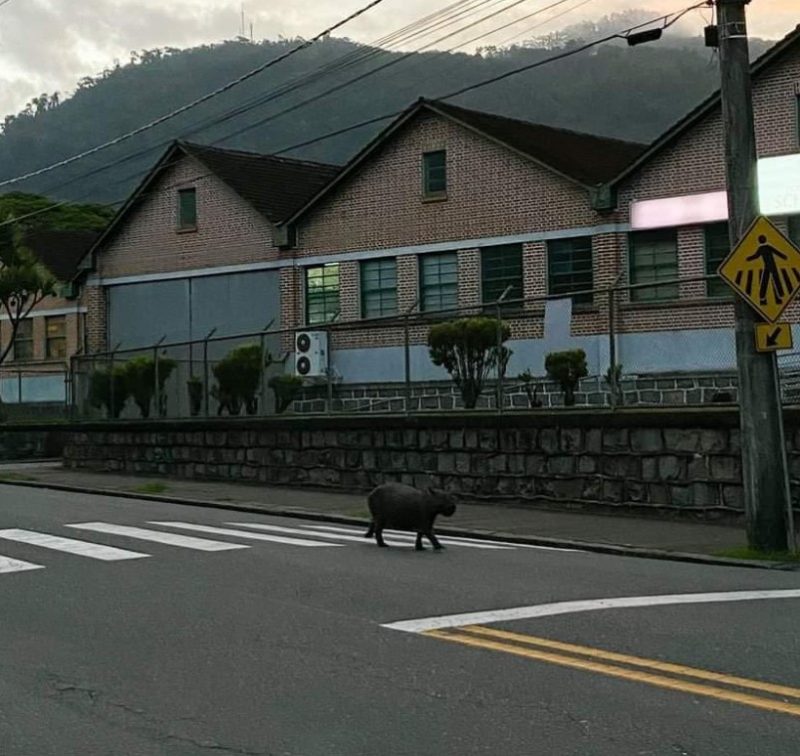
(631, 93)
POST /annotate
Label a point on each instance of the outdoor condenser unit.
(311, 353)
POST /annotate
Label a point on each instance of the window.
(653, 258)
(718, 247)
(56, 331)
(187, 209)
(434, 169)
(569, 267)
(23, 343)
(378, 288)
(501, 267)
(438, 282)
(322, 293)
(794, 228)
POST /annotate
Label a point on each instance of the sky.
(48, 45)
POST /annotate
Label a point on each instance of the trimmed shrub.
(238, 377)
(469, 349)
(194, 387)
(566, 369)
(108, 388)
(286, 387)
(140, 377)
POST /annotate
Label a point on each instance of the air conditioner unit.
(311, 354)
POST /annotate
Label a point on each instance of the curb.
(625, 550)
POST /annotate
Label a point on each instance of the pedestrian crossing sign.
(764, 268)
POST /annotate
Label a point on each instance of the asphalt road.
(135, 647)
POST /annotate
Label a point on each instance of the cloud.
(48, 45)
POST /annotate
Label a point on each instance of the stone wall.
(653, 459)
(29, 442)
(657, 389)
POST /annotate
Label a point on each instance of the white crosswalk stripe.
(171, 539)
(454, 540)
(243, 534)
(69, 545)
(7, 564)
(348, 534)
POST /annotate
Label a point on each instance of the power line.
(292, 85)
(406, 33)
(668, 20)
(198, 101)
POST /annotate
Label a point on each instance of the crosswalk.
(201, 537)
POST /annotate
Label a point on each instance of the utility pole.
(764, 467)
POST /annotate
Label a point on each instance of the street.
(140, 628)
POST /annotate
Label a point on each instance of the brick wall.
(491, 192)
(229, 231)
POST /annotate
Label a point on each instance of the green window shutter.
(569, 267)
(501, 267)
(438, 282)
(322, 293)
(718, 247)
(434, 169)
(187, 209)
(378, 288)
(654, 258)
(794, 228)
(23, 341)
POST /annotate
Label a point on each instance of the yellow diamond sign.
(764, 269)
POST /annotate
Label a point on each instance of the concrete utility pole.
(764, 467)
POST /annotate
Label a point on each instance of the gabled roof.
(276, 187)
(584, 159)
(60, 251)
(709, 105)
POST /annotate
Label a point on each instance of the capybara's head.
(445, 502)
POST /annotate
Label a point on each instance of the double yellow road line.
(634, 668)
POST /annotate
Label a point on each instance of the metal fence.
(641, 349)
(33, 391)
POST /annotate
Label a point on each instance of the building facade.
(596, 244)
(36, 368)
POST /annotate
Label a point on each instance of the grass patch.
(357, 512)
(151, 488)
(15, 476)
(765, 556)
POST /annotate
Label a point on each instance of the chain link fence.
(642, 345)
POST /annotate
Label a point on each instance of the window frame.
(28, 340)
(793, 226)
(716, 288)
(427, 191)
(505, 280)
(568, 289)
(636, 295)
(386, 291)
(322, 295)
(442, 288)
(49, 340)
(185, 192)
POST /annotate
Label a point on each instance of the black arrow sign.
(772, 338)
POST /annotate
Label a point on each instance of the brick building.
(449, 208)
(36, 367)
(195, 247)
(484, 202)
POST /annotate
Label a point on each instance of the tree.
(469, 349)
(24, 281)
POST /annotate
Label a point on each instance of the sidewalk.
(605, 533)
